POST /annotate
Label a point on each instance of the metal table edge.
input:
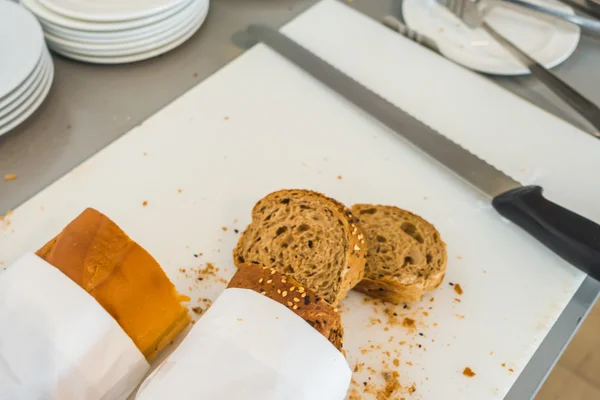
(556, 341)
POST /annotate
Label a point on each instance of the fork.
(472, 13)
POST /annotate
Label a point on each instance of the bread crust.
(355, 252)
(389, 288)
(123, 277)
(299, 299)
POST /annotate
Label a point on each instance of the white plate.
(21, 44)
(133, 57)
(131, 47)
(32, 84)
(13, 95)
(549, 43)
(47, 15)
(109, 10)
(18, 116)
(120, 36)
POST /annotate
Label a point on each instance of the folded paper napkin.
(57, 342)
(249, 347)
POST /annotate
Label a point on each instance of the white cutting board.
(261, 124)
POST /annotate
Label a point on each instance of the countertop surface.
(89, 106)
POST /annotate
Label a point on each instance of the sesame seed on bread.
(301, 300)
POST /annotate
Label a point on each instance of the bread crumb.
(144, 203)
(457, 300)
(179, 190)
(145, 154)
(460, 316)
(240, 319)
(198, 310)
(10, 177)
(339, 177)
(458, 289)
(226, 118)
(503, 365)
(195, 75)
(392, 385)
(224, 228)
(511, 370)
(408, 323)
(468, 372)
(396, 362)
(459, 257)
(431, 300)
(491, 353)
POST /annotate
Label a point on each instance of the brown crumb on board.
(198, 310)
(10, 177)
(195, 74)
(144, 203)
(226, 118)
(503, 365)
(511, 370)
(458, 289)
(468, 372)
(340, 177)
(408, 323)
(224, 228)
(179, 190)
(392, 386)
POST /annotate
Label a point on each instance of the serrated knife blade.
(571, 236)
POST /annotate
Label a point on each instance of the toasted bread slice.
(405, 255)
(309, 236)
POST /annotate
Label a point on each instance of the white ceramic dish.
(131, 47)
(120, 36)
(47, 15)
(32, 84)
(13, 95)
(20, 115)
(134, 57)
(547, 42)
(109, 10)
(21, 44)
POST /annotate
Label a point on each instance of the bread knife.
(571, 236)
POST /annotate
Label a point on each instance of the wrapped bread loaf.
(123, 278)
(298, 298)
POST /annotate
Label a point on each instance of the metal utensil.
(569, 235)
(473, 15)
(588, 25)
(398, 26)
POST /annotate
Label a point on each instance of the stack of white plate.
(117, 31)
(26, 69)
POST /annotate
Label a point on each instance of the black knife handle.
(571, 236)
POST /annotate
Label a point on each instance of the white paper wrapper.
(57, 342)
(249, 347)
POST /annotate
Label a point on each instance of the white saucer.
(31, 104)
(139, 56)
(548, 43)
(16, 93)
(158, 38)
(21, 44)
(109, 10)
(120, 36)
(28, 87)
(48, 16)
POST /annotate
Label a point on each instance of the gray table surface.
(89, 106)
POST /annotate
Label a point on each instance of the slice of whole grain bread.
(405, 255)
(309, 236)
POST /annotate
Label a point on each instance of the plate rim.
(139, 56)
(44, 14)
(110, 16)
(9, 125)
(513, 70)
